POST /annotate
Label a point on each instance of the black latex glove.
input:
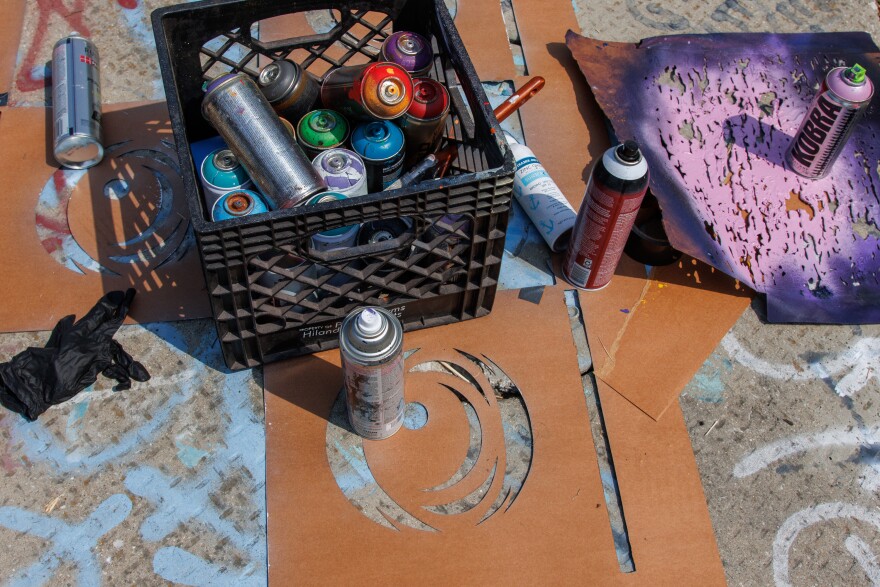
(71, 361)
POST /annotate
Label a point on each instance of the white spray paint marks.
(858, 364)
(824, 512)
(786, 447)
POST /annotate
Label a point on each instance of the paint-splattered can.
(320, 130)
(425, 120)
(290, 90)
(371, 347)
(337, 238)
(373, 90)
(343, 171)
(221, 173)
(614, 193)
(411, 51)
(76, 103)
(381, 145)
(831, 118)
(273, 159)
(236, 204)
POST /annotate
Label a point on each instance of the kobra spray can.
(614, 193)
(371, 347)
(831, 118)
(381, 145)
(373, 90)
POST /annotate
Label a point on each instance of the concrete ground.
(164, 484)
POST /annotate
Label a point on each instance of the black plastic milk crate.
(273, 296)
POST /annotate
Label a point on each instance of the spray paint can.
(76, 103)
(290, 90)
(221, 173)
(320, 130)
(540, 197)
(337, 238)
(343, 171)
(381, 145)
(371, 347)
(379, 231)
(236, 204)
(275, 162)
(411, 51)
(614, 193)
(373, 90)
(289, 127)
(831, 118)
(425, 120)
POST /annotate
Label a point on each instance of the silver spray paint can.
(371, 347)
(275, 162)
(76, 103)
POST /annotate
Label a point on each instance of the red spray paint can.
(614, 193)
(380, 90)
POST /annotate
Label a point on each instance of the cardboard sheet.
(10, 35)
(715, 116)
(649, 333)
(69, 236)
(345, 511)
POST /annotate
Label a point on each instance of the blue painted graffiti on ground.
(239, 452)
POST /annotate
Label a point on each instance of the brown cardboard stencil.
(321, 530)
(10, 35)
(528, 503)
(120, 224)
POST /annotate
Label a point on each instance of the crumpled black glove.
(76, 352)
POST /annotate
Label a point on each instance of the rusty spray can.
(614, 193)
(234, 105)
(831, 118)
(380, 90)
(371, 347)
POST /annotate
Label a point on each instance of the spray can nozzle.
(855, 74)
(629, 152)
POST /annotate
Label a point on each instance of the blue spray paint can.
(236, 204)
(220, 174)
(381, 145)
(337, 238)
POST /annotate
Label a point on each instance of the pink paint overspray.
(831, 118)
(612, 200)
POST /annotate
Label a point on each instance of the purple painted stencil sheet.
(715, 115)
